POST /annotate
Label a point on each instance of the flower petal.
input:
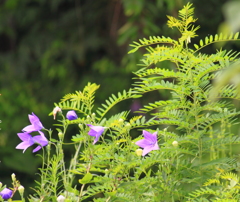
(146, 150)
(95, 131)
(37, 149)
(96, 139)
(36, 124)
(155, 147)
(29, 129)
(34, 120)
(142, 143)
(39, 139)
(149, 136)
(24, 145)
(24, 136)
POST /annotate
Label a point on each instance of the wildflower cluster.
(6, 193)
(112, 163)
(29, 140)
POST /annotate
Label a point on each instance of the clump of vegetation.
(179, 149)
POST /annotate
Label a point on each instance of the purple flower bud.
(6, 193)
(71, 115)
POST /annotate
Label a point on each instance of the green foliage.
(194, 131)
(225, 187)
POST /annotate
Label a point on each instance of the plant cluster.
(187, 151)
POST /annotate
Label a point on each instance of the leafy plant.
(187, 139)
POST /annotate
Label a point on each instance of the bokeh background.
(51, 48)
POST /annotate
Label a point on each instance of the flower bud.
(60, 135)
(13, 176)
(139, 152)
(6, 193)
(80, 126)
(71, 115)
(175, 143)
(21, 189)
(128, 125)
(60, 198)
(48, 147)
(0, 185)
(120, 120)
(55, 111)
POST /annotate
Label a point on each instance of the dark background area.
(51, 48)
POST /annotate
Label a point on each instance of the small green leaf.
(211, 38)
(53, 140)
(236, 35)
(196, 46)
(86, 179)
(201, 42)
(206, 40)
(220, 36)
(133, 50)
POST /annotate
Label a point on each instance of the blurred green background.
(51, 48)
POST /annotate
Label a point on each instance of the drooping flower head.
(36, 124)
(55, 111)
(149, 142)
(71, 115)
(6, 193)
(28, 140)
(95, 131)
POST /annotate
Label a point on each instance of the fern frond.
(214, 118)
(81, 101)
(202, 192)
(156, 105)
(171, 54)
(97, 189)
(151, 41)
(230, 176)
(161, 73)
(186, 12)
(211, 181)
(113, 100)
(181, 124)
(229, 91)
(147, 86)
(214, 39)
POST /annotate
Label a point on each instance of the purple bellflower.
(71, 115)
(149, 142)
(95, 131)
(36, 124)
(6, 193)
(28, 140)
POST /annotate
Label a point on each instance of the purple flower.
(36, 124)
(71, 115)
(6, 193)
(28, 141)
(95, 131)
(149, 142)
